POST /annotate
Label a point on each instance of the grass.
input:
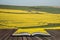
(53, 25)
(30, 8)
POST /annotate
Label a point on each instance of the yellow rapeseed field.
(25, 20)
(15, 11)
(14, 20)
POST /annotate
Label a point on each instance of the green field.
(49, 9)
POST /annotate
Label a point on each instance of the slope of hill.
(48, 9)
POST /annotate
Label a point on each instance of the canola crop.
(11, 20)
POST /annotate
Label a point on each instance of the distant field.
(48, 9)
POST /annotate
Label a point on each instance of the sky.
(31, 2)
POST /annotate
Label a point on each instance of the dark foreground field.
(5, 34)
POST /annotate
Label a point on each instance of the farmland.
(10, 18)
(49, 9)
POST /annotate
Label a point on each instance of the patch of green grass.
(14, 7)
(47, 9)
(44, 26)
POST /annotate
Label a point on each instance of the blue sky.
(31, 2)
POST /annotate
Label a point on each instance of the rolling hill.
(48, 9)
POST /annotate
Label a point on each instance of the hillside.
(48, 9)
